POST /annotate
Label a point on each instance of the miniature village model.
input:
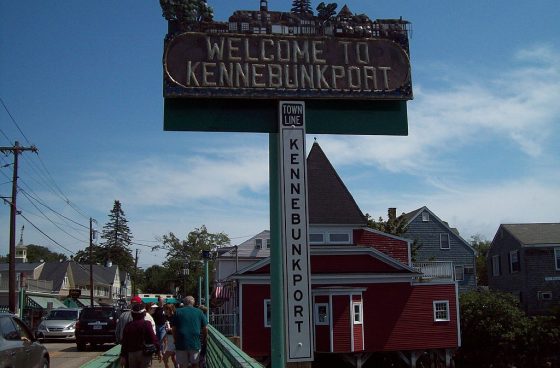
(272, 54)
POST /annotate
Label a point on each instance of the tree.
(326, 11)
(481, 246)
(190, 250)
(187, 11)
(302, 7)
(393, 225)
(36, 253)
(156, 279)
(117, 240)
(82, 256)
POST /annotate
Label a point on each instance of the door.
(11, 347)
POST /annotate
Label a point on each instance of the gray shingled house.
(439, 246)
(524, 259)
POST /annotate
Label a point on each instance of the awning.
(155, 300)
(83, 302)
(34, 301)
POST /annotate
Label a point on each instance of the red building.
(367, 294)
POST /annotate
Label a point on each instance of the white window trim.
(425, 217)
(257, 245)
(317, 242)
(511, 261)
(441, 242)
(317, 321)
(360, 306)
(462, 273)
(541, 295)
(557, 258)
(435, 303)
(267, 306)
(327, 236)
(496, 265)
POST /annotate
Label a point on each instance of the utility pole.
(91, 261)
(134, 281)
(15, 150)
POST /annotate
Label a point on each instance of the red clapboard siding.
(397, 249)
(349, 264)
(358, 328)
(256, 337)
(400, 317)
(341, 323)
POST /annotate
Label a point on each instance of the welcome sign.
(265, 66)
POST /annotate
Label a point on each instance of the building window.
(459, 273)
(496, 265)
(339, 238)
(316, 238)
(258, 243)
(425, 217)
(321, 314)
(267, 315)
(557, 257)
(444, 241)
(544, 295)
(514, 264)
(244, 26)
(469, 270)
(441, 310)
(358, 315)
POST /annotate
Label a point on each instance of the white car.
(60, 323)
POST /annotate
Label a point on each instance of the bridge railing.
(220, 353)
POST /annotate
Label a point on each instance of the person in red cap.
(125, 317)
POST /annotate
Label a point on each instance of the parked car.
(96, 325)
(18, 346)
(59, 323)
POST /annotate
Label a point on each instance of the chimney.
(264, 5)
(392, 213)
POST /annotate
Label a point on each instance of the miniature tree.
(302, 7)
(186, 11)
(326, 11)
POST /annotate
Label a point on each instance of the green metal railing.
(221, 353)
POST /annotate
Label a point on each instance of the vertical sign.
(295, 249)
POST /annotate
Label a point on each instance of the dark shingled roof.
(535, 234)
(330, 202)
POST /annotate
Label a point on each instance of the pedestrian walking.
(189, 330)
(139, 341)
(160, 318)
(169, 342)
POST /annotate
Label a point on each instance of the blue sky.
(83, 81)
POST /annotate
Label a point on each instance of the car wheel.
(80, 345)
(45, 363)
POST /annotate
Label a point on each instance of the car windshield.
(63, 314)
(97, 313)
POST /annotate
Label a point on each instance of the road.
(65, 355)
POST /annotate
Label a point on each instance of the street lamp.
(185, 272)
(206, 256)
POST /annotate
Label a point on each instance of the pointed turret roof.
(330, 202)
(345, 12)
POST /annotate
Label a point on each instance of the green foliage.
(325, 12)
(187, 11)
(395, 226)
(495, 332)
(156, 279)
(302, 7)
(117, 240)
(481, 245)
(36, 253)
(190, 250)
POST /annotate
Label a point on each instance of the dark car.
(96, 325)
(18, 346)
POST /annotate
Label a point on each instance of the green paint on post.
(278, 356)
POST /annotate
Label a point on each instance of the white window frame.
(511, 254)
(357, 315)
(258, 243)
(544, 295)
(347, 241)
(315, 241)
(425, 216)
(440, 303)
(461, 269)
(268, 243)
(318, 322)
(267, 309)
(441, 242)
(469, 270)
(496, 265)
(557, 258)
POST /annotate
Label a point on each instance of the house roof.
(330, 202)
(20, 267)
(535, 234)
(247, 249)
